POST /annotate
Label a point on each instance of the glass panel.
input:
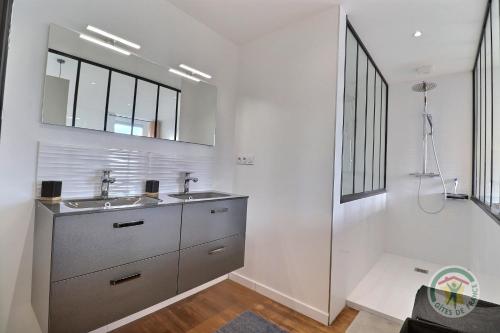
(59, 90)
(349, 115)
(167, 114)
(481, 122)
(496, 104)
(478, 126)
(376, 133)
(364, 130)
(369, 130)
(92, 92)
(487, 118)
(145, 109)
(359, 170)
(121, 103)
(382, 131)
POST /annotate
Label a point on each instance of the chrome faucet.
(106, 180)
(187, 179)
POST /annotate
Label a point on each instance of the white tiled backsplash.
(80, 170)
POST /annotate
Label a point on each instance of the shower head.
(424, 86)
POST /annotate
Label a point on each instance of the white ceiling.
(451, 32)
(451, 28)
(242, 21)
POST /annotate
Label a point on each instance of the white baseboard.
(281, 298)
(154, 308)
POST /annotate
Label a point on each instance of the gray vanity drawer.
(88, 302)
(91, 242)
(202, 263)
(207, 221)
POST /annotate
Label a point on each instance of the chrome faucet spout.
(106, 180)
(187, 179)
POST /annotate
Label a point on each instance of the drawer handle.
(125, 279)
(127, 224)
(219, 210)
(219, 250)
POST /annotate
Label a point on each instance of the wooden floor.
(210, 309)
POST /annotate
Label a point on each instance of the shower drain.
(421, 270)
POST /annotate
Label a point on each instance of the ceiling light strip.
(104, 44)
(195, 71)
(113, 37)
(187, 76)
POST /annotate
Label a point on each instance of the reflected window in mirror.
(91, 97)
(167, 113)
(145, 109)
(120, 103)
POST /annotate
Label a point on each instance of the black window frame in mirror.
(111, 70)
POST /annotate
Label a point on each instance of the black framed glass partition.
(486, 141)
(365, 123)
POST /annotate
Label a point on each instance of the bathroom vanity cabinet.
(95, 267)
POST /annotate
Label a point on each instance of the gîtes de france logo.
(454, 291)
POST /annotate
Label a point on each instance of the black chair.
(484, 318)
(418, 326)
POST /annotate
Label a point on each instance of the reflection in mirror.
(91, 98)
(59, 91)
(90, 86)
(167, 114)
(121, 103)
(145, 109)
(198, 107)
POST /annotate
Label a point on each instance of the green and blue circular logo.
(454, 291)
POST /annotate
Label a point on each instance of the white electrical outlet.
(245, 159)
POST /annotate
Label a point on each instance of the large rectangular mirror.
(93, 87)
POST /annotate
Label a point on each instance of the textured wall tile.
(80, 169)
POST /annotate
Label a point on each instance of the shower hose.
(445, 194)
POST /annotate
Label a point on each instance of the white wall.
(462, 234)
(286, 118)
(358, 226)
(168, 36)
(411, 232)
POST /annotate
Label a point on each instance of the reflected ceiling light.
(113, 37)
(104, 44)
(195, 71)
(417, 34)
(180, 73)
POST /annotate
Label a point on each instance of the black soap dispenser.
(51, 190)
(152, 188)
